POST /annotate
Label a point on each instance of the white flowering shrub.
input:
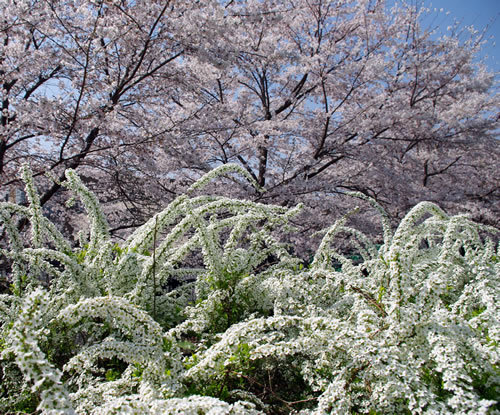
(202, 310)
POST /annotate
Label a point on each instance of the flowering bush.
(203, 310)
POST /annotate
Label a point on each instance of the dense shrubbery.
(142, 327)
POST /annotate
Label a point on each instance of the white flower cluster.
(22, 341)
(194, 405)
(412, 328)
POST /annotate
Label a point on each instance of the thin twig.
(370, 299)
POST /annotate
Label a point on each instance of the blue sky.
(479, 13)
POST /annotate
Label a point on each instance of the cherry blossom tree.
(82, 82)
(330, 96)
(312, 98)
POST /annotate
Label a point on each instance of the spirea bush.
(202, 310)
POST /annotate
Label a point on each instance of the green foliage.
(409, 326)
